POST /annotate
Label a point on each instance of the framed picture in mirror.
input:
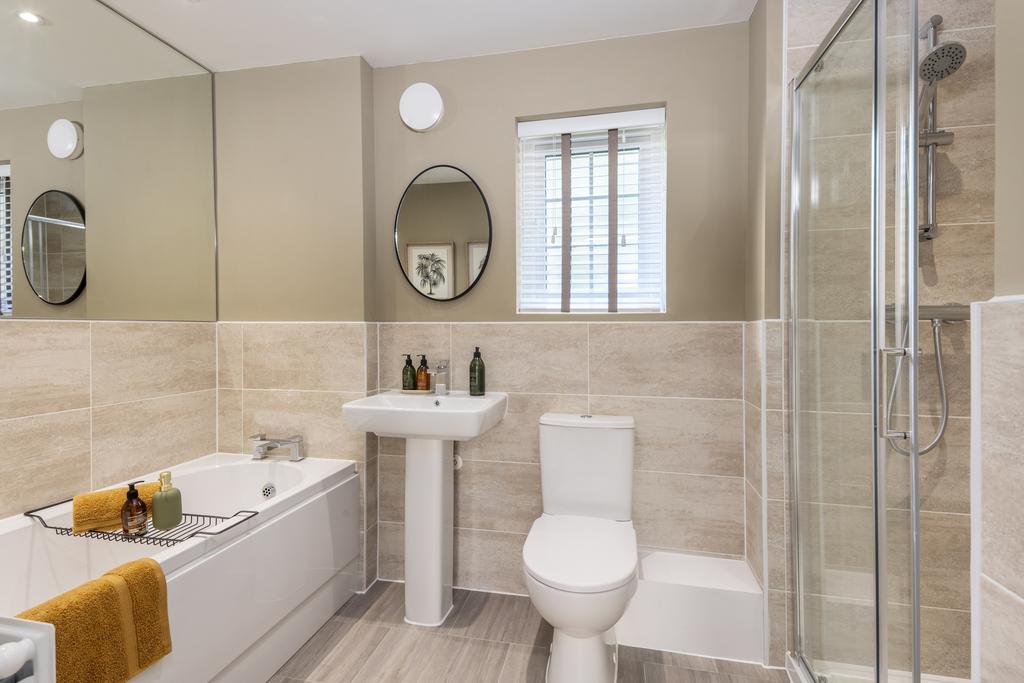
(431, 268)
(476, 258)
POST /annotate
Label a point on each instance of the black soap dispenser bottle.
(408, 374)
(477, 380)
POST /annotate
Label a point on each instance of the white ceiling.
(236, 34)
(79, 44)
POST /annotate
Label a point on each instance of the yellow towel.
(111, 628)
(102, 509)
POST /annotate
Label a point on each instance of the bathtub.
(240, 602)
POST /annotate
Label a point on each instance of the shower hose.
(943, 396)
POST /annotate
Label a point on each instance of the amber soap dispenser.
(133, 513)
(423, 375)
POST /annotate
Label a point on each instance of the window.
(6, 265)
(615, 265)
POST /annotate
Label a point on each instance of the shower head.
(942, 61)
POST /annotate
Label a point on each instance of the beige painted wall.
(764, 139)
(707, 131)
(1009, 148)
(149, 175)
(33, 171)
(292, 196)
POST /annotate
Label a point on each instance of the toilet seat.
(580, 554)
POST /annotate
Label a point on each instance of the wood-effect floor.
(488, 637)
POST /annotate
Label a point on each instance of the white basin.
(454, 417)
(430, 426)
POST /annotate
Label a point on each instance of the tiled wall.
(91, 403)
(767, 487)
(293, 378)
(998, 462)
(683, 382)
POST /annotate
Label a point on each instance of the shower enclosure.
(853, 311)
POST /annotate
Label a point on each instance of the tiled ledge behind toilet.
(682, 381)
(86, 404)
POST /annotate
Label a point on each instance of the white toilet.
(580, 558)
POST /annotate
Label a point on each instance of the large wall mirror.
(143, 173)
(443, 233)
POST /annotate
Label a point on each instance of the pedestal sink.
(430, 425)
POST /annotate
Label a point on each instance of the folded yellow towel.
(102, 509)
(111, 628)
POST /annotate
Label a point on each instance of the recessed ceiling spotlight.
(30, 17)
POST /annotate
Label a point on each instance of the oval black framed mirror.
(443, 233)
(53, 247)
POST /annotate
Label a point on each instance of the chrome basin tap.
(261, 447)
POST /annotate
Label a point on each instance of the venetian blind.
(612, 266)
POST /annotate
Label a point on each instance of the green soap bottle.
(166, 504)
(408, 374)
(477, 380)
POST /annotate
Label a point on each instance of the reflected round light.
(421, 107)
(65, 139)
(30, 17)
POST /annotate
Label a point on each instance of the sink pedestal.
(429, 530)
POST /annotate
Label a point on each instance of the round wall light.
(65, 139)
(421, 107)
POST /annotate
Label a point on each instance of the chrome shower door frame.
(880, 349)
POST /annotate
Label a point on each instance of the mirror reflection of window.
(442, 233)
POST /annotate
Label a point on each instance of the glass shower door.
(851, 188)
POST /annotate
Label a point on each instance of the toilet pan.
(580, 573)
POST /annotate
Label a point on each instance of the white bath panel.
(697, 605)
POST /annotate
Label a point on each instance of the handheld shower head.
(942, 61)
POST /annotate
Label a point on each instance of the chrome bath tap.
(261, 447)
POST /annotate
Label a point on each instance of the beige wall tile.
(134, 361)
(229, 356)
(841, 352)
(777, 545)
(945, 559)
(690, 360)
(46, 367)
(839, 279)
(774, 363)
(398, 339)
(497, 496)
(1002, 469)
(945, 642)
(489, 560)
(841, 474)
(778, 627)
(753, 528)
(1002, 614)
(57, 445)
(944, 479)
(516, 438)
(958, 265)
(370, 556)
(230, 438)
(693, 436)
(810, 20)
(372, 357)
(371, 488)
(391, 488)
(776, 429)
(394, 446)
(959, 14)
(956, 365)
(131, 439)
(965, 177)
(752, 468)
(752, 333)
(312, 356)
(688, 512)
(315, 415)
(539, 358)
(391, 551)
